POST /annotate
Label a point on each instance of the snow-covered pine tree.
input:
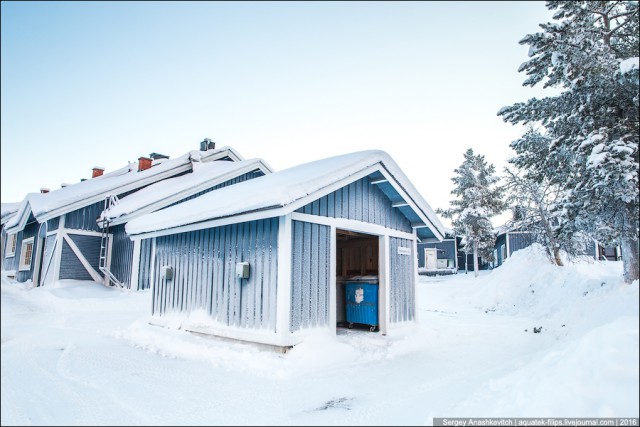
(479, 197)
(591, 54)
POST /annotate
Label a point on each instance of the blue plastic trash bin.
(362, 303)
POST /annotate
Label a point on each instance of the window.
(11, 244)
(26, 254)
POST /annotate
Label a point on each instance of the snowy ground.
(78, 353)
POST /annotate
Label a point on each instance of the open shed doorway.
(357, 280)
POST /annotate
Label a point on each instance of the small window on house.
(503, 252)
(26, 253)
(11, 244)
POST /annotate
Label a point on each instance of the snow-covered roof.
(7, 210)
(168, 191)
(72, 197)
(289, 189)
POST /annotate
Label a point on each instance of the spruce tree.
(479, 197)
(590, 52)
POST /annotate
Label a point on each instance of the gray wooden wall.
(310, 275)
(70, 265)
(121, 254)
(361, 201)
(401, 283)
(204, 265)
(144, 275)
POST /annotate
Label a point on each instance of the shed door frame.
(384, 262)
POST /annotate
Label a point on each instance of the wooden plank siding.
(121, 254)
(310, 275)
(519, 241)
(53, 224)
(144, 277)
(11, 261)
(360, 201)
(401, 281)
(70, 265)
(85, 218)
(47, 260)
(204, 265)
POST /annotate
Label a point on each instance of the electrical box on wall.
(242, 270)
(167, 272)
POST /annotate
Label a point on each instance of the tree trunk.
(556, 256)
(629, 248)
(475, 259)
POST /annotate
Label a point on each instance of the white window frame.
(12, 242)
(23, 252)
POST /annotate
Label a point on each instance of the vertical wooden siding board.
(323, 206)
(258, 274)
(306, 282)
(267, 285)
(222, 291)
(202, 263)
(323, 259)
(331, 205)
(296, 274)
(243, 285)
(273, 272)
(180, 257)
(173, 239)
(226, 297)
(205, 303)
(213, 282)
(195, 265)
(155, 284)
(237, 232)
(314, 253)
(254, 279)
(237, 295)
(156, 279)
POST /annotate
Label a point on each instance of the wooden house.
(54, 235)
(7, 211)
(440, 257)
(125, 254)
(510, 239)
(264, 260)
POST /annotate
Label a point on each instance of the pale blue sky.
(103, 83)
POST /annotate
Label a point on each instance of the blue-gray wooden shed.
(285, 226)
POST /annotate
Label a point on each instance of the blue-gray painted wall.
(47, 260)
(53, 224)
(310, 275)
(519, 241)
(144, 275)
(204, 265)
(361, 201)
(121, 254)
(84, 218)
(11, 261)
(30, 230)
(501, 242)
(70, 265)
(446, 250)
(401, 283)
